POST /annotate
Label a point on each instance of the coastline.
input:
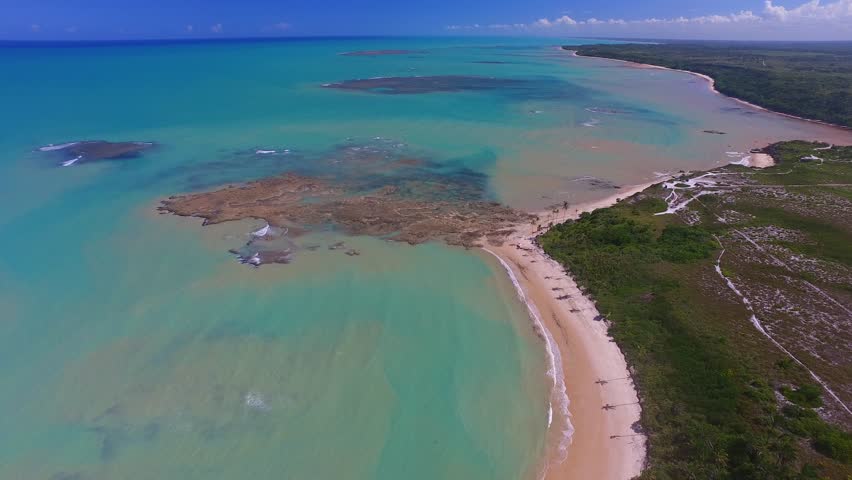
(712, 85)
(605, 446)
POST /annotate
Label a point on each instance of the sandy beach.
(604, 444)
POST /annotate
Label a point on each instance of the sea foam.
(51, 148)
(555, 370)
(261, 232)
(68, 163)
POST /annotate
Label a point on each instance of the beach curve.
(601, 427)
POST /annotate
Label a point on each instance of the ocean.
(134, 345)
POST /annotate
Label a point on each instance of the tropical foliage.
(806, 79)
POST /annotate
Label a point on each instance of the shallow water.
(132, 345)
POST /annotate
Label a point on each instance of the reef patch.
(529, 88)
(386, 213)
(73, 153)
(376, 53)
(378, 188)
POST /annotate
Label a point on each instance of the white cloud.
(189, 28)
(743, 16)
(546, 23)
(217, 28)
(565, 20)
(35, 27)
(814, 19)
(813, 9)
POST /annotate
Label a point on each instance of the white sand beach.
(604, 406)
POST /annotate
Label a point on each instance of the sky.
(150, 19)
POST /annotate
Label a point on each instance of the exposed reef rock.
(310, 202)
(94, 150)
(378, 187)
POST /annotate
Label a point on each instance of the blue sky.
(135, 19)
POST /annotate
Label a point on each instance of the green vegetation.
(808, 395)
(811, 80)
(827, 440)
(833, 166)
(709, 382)
(829, 231)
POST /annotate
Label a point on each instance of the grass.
(811, 80)
(825, 439)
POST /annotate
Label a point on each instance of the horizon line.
(130, 41)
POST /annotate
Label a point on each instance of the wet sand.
(604, 444)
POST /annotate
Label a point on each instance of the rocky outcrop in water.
(73, 153)
(288, 200)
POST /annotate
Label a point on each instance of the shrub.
(808, 395)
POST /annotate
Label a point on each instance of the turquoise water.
(132, 345)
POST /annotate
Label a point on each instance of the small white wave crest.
(261, 232)
(51, 147)
(68, 163)
(555, 370)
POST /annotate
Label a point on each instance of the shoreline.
(712, 85)
(581, 354)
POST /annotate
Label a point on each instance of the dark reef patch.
(267, 245)
(608, 111)
(357, 165)
(93, 150)
(533, 88)
(595, 183)
(67, 476)
(431, 84)
(112, 439)
(376, 53)
(739, 110)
